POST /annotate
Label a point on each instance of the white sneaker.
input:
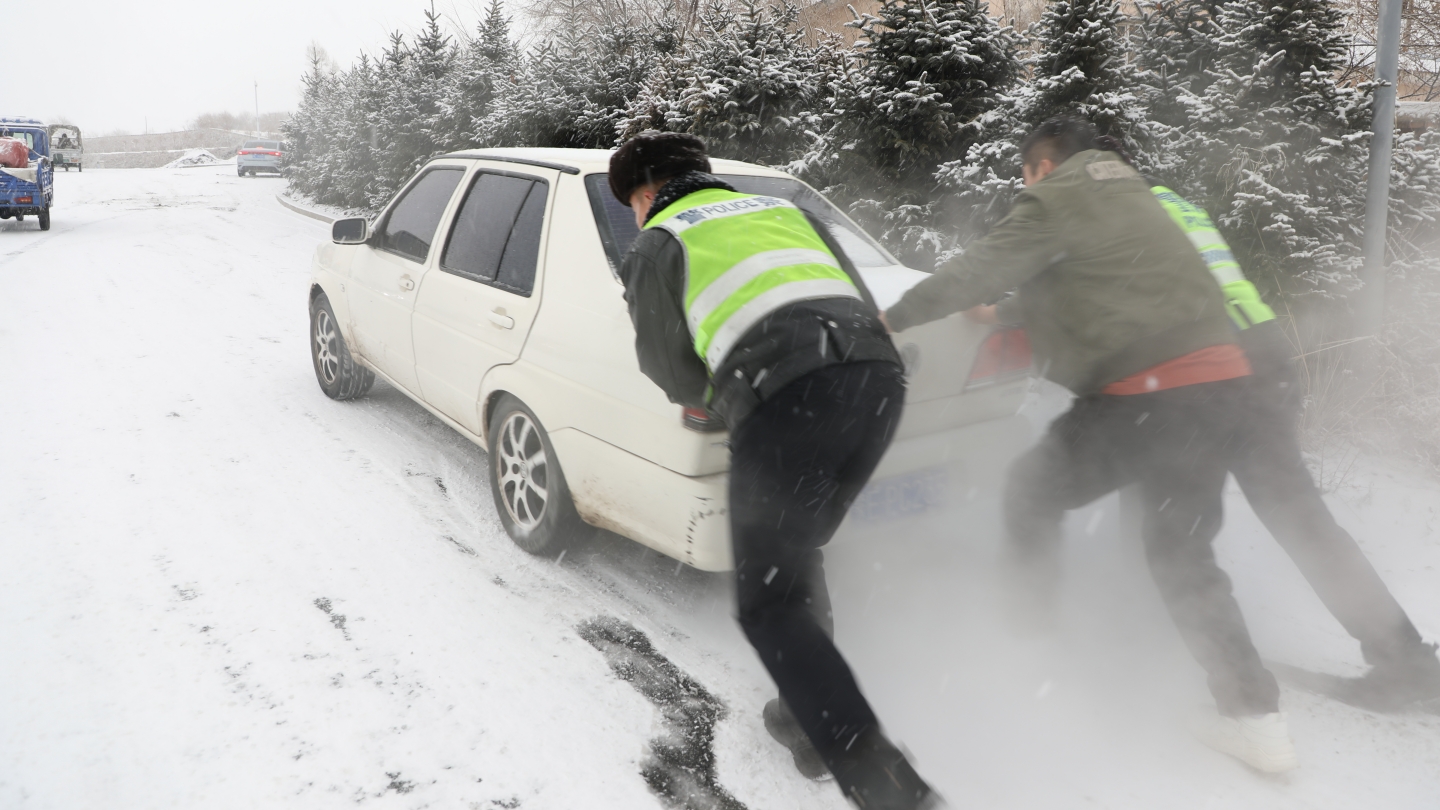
(1261, 741)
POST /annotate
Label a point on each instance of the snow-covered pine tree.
(412, 121)
(1078, 67)
(335, 121)
(1276, 149)
(617, 66)
(484, 63)
(493, 43)
(656, 105)
(573, 91)
(1174, 48)
(1081, 68)
(311, 128)
(747, 83)
(920, 76)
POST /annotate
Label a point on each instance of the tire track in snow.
(681, 769)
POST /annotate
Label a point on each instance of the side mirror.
(350, 231)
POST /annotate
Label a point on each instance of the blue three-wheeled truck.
(28, 190)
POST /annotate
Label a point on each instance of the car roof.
(588, 161)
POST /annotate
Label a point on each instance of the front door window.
(410, 227)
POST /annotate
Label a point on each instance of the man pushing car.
(745, 306)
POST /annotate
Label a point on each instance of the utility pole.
(1371, 309)
(257, 108)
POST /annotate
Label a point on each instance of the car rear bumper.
(924, 473)
(687, 518)
(258, 164)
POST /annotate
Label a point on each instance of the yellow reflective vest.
(1242, 300)
(746, 256)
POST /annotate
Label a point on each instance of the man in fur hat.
(745, 306)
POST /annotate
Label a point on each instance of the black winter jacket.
(788, 344)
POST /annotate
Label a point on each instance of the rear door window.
(27, 138)
(410, 226)
(495, 239)
(617, 221)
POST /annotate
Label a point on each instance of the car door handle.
(407, 283)
(500, 319)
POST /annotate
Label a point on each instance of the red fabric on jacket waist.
(1211, 364)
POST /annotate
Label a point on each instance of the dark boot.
(1396, 681)
(875, 775)
(786, 730)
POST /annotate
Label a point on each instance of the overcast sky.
(109, 64)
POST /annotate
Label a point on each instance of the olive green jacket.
(1107, 284)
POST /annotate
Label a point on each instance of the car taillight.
(24, 199)
(1004, 355)
(698, 419)
(244, 152)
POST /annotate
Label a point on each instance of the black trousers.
(1271, 472)
(1176, 446)
(797, 464)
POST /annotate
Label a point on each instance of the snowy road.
(220, 589)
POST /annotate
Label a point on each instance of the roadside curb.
(303, 211)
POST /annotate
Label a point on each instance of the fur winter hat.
(652, 156)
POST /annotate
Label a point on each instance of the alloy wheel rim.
(325, 358)
(524, 471)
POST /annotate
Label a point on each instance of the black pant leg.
(1182, 465)
(797, 462)
(877, 385)
(1272, 473)
(1174, 444)
(1076, 462)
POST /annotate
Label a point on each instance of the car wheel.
(45, 220)
(340, 377)
(240, 172)
(528, 486)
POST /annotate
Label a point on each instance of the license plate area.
(912, 493)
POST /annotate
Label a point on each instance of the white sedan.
(486, 290)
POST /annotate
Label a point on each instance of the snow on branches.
(915, 127)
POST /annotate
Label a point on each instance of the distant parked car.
(487, 292)
(259, 156)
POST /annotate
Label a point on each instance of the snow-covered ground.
(220, 589)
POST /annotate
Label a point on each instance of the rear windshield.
(617, 222)
(27, 137)
(272, 145)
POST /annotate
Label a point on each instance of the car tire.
(45, 220)
(340, 377)
(240, 172)
(528, 486)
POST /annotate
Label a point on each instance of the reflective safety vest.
(745, 257)
(1242, 300)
